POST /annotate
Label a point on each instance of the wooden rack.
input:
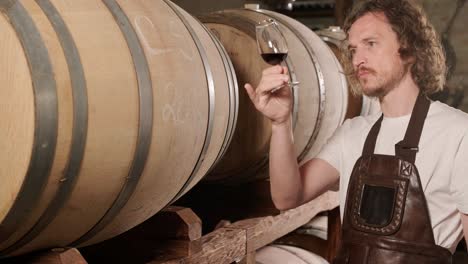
(174, 235)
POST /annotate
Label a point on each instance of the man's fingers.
(273, 70)
(277, 69)
(272, 82)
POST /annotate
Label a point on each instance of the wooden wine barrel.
(357, 105)
(320, 100)
(280, 254)
(110, 110)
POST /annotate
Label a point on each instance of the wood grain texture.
(180, 115)
(222, 99)
(261, 232)
(65, 119)
(17, 113)
(224, 245)
(111, 84)
(173, 236)
(234, 242)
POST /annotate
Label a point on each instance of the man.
(403, 183)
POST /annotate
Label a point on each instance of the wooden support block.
(55, 256)
(179, 229)
(173, 233)
(175, 222)
(230, 203)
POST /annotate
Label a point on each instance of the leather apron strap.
(386, 218)
(408, 147)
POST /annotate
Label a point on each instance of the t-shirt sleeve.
(331, 152)
(459, 179)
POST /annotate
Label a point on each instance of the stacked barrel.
(113, 109)
(320, 100)
(110, 110)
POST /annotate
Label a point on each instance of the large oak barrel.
(320, 100)
(110, 110)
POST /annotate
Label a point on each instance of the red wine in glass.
(274, 58)
(272, 45)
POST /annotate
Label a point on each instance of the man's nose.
(358, 58)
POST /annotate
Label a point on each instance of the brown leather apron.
(386, 219)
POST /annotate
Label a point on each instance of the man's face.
(374, 48)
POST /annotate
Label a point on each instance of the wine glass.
(272, 45)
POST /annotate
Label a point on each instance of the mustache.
(349, 72)
(363, 68)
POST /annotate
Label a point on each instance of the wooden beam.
(224, 245)
(174, 236)
(233, 242)
(262, 231)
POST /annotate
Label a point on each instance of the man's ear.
(406, 55)
(410, 60)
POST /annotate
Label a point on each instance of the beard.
(381, 84)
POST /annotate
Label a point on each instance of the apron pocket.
(378, 205)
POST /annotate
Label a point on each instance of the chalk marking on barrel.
(211, 97)
(174, 32)
(158, 51)
(153, 51)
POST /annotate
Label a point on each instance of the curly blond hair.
(417, 37)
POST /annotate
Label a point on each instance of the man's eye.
(371, 43)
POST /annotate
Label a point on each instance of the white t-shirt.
(442, 162)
